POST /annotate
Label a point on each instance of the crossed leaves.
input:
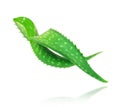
(43, 46)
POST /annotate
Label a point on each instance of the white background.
(93, 25)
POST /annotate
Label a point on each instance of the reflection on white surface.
(83, 98)
(89, 94)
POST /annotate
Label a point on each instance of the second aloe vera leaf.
(59, 43)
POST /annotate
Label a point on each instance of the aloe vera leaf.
(28, 29)
(59, 43)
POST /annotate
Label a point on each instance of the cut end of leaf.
(26, 26)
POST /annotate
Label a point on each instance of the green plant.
(52, 39)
